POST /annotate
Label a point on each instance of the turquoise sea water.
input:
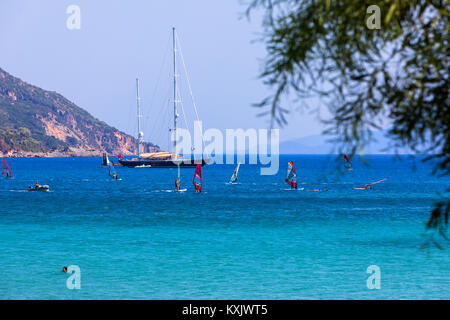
(135, 239)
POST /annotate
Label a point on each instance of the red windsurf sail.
(5, 169)
(198, 179)
(348, 164)
(291, 176)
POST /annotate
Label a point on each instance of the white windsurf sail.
(105, 161)
(234, 177)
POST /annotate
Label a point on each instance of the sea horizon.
(225, 154)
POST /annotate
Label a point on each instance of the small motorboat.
(44, 188)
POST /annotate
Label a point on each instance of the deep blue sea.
(136, 239)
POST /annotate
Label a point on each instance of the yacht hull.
(152, 163)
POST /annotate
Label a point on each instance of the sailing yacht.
(161, 159)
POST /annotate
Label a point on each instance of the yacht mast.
(175, 113)
(140, 133)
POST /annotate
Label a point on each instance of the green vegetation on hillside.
(27, 111)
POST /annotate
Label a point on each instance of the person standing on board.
(292, 183)
(198, 178)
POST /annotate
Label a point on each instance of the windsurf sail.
(371, 184)
(105, 161)
(6, 171)
(178, 181)
(198, 178)
(234, 177)
(112, 170)
(291, 177)
(348, 164)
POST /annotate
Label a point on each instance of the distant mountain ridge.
(34, 121)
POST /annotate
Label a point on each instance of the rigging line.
(161, 111)
(161, 132)
(188, 82)
(155, 114)
(187, 77)
(160, 129)
(169, 124)
(166, 129)
(182, 109)
(166, 110)
(159, 76)
(157, 129)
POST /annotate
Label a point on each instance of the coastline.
(56, 154)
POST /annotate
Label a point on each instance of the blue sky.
(96, 66)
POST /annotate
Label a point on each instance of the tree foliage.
(399, 72)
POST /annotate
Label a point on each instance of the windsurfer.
(37, 185)
(291, 177)
(177, 185)
(198, 179)
(234, 177)
(292, 183)
(348, 165)
(114, 176)
(5, 169)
